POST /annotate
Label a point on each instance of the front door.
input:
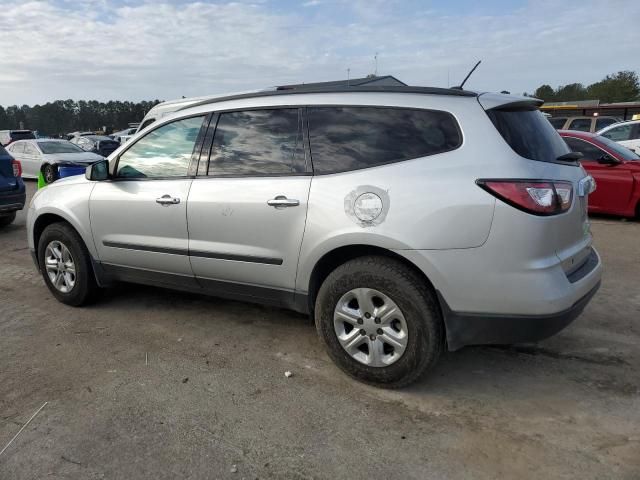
(139, 217)
(247, 210)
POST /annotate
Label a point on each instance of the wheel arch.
(340, 255)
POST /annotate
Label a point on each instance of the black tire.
(415, 299)
(7, 219)
(85, 289)
(50, 173)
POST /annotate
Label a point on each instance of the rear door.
(247, 207)
(139, 217)
(614, 182)
(31, 160)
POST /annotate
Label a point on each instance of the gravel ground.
(150, 383)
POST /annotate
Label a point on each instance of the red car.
(616, 170)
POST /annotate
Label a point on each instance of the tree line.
(623, 86)
(64, 116)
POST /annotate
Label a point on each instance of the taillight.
(538, 197)
(17, 168)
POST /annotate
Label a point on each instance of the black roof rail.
(338, 89)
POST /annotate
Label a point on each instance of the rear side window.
(529, 134)
(351, 138)
(258, 142)
(557, 123)
(581, 124)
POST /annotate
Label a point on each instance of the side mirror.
(607, 159)
(98, 171)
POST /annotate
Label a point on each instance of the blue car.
(12, 191)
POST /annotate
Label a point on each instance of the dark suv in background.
(8, 136)
(12, 191)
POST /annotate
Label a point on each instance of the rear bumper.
(12, 201)
(487, 329)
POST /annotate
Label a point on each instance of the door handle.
(281, 202)
(167, 200)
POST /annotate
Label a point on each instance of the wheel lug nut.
(362, 332)
(367, 315)
(360, 321)
(377, 319)
(379, 331)
(372, 337)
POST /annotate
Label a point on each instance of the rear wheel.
(65, 265)
(379, 321)
(7, 219)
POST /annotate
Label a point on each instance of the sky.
(143, 50)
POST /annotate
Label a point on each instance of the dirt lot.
(154, 384)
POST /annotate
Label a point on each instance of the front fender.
(69, 201)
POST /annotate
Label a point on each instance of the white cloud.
(143, 50)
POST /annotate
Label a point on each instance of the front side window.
(351, 138)
(590, 153)
(619, 134)
(163, 152)
(258, 142)
(581, 124)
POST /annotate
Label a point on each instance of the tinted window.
(619, 134)
(581, 124)
(557, 123)
(529, 134)
(350, 138)
(58, 147)
(258, 142)
(589, 152)
(147, 123)
(604, 122)
(163, 152)
(22, 135)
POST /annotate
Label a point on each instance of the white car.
(47, 154)
(625, 133)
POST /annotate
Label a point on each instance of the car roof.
(336, 89)
(99, 137)
(577, 133)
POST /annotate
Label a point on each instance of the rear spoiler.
(498, 101)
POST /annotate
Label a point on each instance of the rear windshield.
(59, 147)
(529, 134)
(22, 135)
(621, 150)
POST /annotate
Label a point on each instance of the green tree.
(545, 92)
(573, 91)
(619, 87)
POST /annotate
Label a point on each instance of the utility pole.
(348, 75)
(375, 57)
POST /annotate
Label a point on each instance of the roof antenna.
(459, 87)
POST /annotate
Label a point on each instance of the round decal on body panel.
(367, 205)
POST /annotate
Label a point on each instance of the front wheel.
(49, 173)
(379, 321)
(65, 265)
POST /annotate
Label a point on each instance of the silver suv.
(404, 220)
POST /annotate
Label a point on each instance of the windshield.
(59, 147)
(621, 150)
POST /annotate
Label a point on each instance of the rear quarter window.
(529, 134)
(352, 138)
